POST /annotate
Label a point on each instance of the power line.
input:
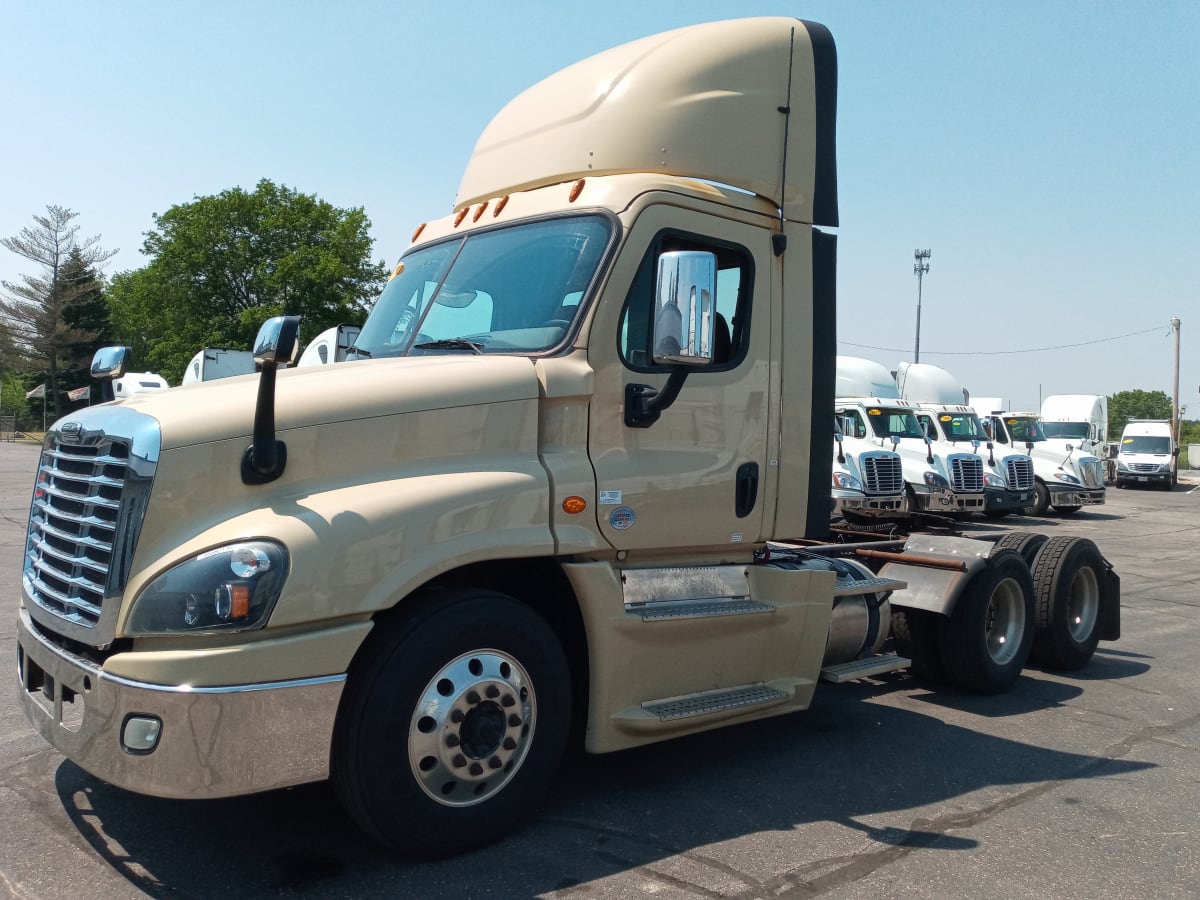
(1008, 352)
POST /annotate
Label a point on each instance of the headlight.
(934, 480)
(846, 481)
(232, 588)
(1121, 467)
(991, 479)
(1069, 479)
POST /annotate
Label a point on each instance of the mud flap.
(1110, 612)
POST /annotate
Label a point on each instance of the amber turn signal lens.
(574, 505)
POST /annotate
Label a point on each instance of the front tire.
(1069, 583)
(453, 723)
(987, 638)
(1041, 499)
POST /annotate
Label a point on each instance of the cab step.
(715, 701)
(862, 668)
(850, 588)
(699, 609)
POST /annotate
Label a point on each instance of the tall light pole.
(919, 269)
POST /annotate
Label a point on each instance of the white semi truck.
(1064, 480)
(939, 479)
(212, 363)
(948, 421)
(868, 483)
(330, 346)
(1080, 420)
(596, 511)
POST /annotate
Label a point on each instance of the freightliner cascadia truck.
(571, 483)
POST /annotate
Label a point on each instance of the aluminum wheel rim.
(1005, 622)
(1083, 603)
(472, 728)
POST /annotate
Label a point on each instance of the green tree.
(38, 316)
(222, 265)
(1126, 405)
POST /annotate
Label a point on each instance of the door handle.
(746, 490)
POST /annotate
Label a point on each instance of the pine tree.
(36, 316)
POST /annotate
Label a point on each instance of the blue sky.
(1047, 153)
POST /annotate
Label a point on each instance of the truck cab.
(566, 485)
(868, 482)
(1008, 478)
(937, 479)
(1063, 480)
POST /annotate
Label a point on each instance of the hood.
(224, 409)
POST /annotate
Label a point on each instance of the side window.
(998, 434)
(734, 286)
(928, 427)
(854, 426)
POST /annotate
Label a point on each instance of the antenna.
(779, 241)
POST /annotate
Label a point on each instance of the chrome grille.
(1092, 471)
(881, 473)
(966, 473)
(1019, 472)
(72, 524)
(87, 509)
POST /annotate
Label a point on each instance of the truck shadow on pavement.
(800, 785)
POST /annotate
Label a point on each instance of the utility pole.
(919, 269)
(1175, 395)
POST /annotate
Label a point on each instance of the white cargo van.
(1147, 454)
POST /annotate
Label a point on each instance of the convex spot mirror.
(685, 315)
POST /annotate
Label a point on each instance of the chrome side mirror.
(685, 316)
(110, 362)
(278, 341)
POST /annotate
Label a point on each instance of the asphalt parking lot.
(1076, 785)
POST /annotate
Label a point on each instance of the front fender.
(358, 549)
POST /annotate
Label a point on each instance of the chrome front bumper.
(856, 502)
(214, 742)
(1068, 495)
(945, 501)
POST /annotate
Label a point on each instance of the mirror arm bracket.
(644, 403)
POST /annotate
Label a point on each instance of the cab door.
(695, 477)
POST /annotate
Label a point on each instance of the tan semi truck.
(544, 496)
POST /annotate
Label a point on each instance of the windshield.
(1069, 430)
(1026, 429)
(887, 422)
(512, 290)
(962, 427)
(1146, 443)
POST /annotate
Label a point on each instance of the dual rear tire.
(1038, 598)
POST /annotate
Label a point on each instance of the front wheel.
(986, 639)
(1041, 499)
(453, 723)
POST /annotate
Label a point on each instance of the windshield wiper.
(358, 351)
(451, 344)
